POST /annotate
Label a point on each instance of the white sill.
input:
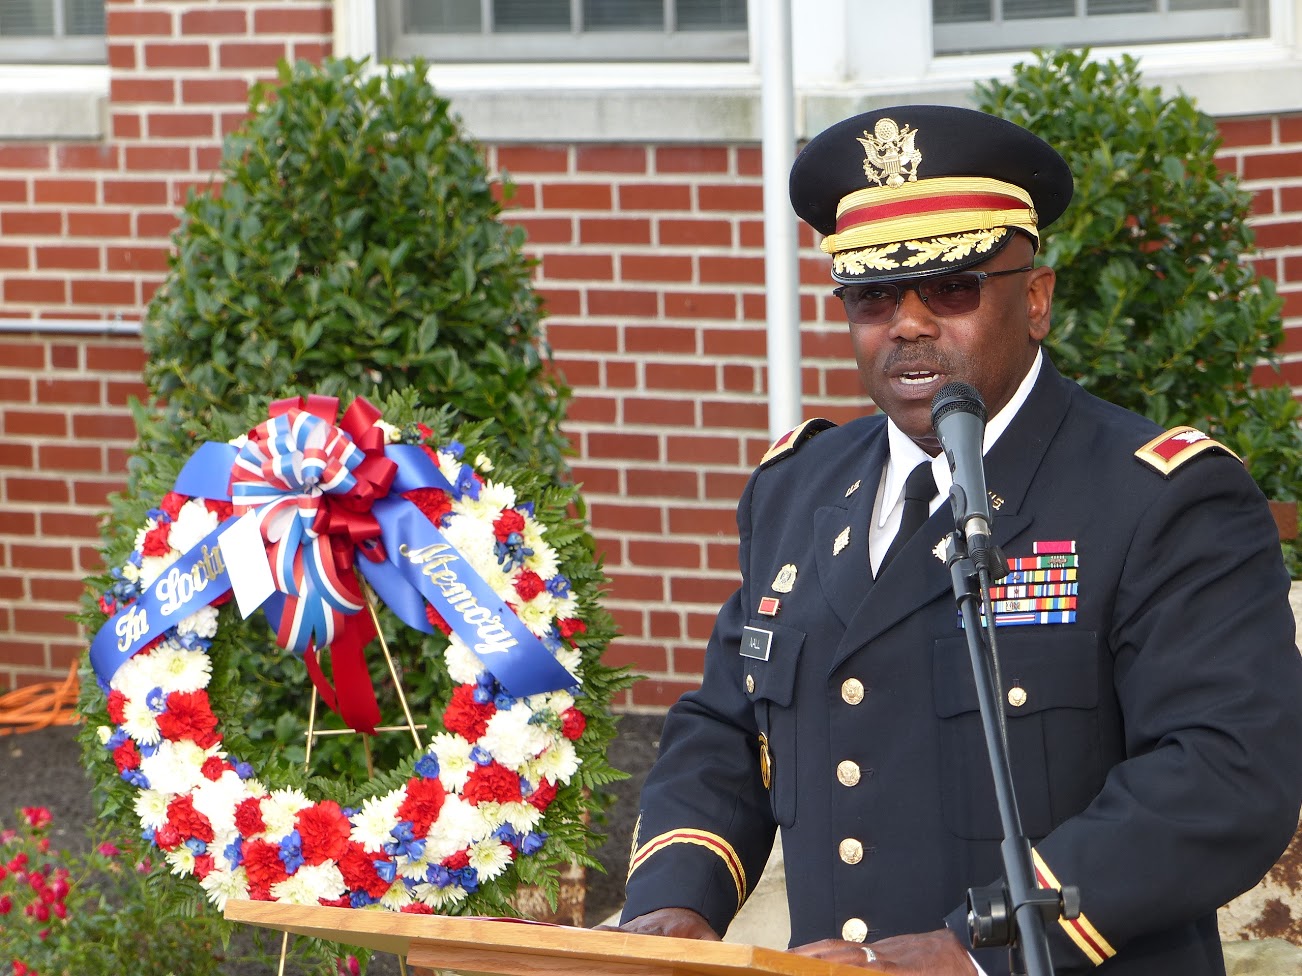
(53, 101)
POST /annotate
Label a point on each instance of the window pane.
(711, 14)
(531, 15)
(1122, 6)
(85, 18)
(1205, 5)
(961, 11)
(624, 15)
(26, 18)
(442, 16)
(1019, 9)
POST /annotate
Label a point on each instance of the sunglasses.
(952, 294)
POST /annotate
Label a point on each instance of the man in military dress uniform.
(1151, 684)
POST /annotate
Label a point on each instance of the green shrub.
(1157, 307)
(353, 246)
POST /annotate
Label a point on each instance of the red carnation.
(528, 584)
(425, 430)
(573, 722)
(457, 861)
(248, 817)
(203, 865)
(509, 521)
(167, 837)
(189, 716)
(156, 540)
(569, 626)
(324, 830)
(172, 503)
(213, 767)
(435, 620)
(493, 782)
(358, 868)
(417, 908)
(433, 503)
(264, 868)
(465, 716)
(182, 815)
(126, 756)
(543, 795)
(335, 902)
(117, 703)
(223, 510)
(422, 805)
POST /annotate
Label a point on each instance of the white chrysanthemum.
(493, 497)
(544, 560)
(490, 858)
(279, 812)
(379, 814)
(181, 860)
(457, 827)
(510, 737)
(144, 530)
(310, 883)
(151, 808)
(218, 799)
(449, 466)
(134, 676)
(440, 898)
(490, 817)
(174, 767)
(523, 817)
(475, 541)
(569, 607)
(152, 567)
(558, 764)
(176, 669)
(464, 666)
(455, 764)
(222, 839)
(553, 701)
(571, 659)
(131, 572)
(483, 462)
(415, 868)
(103, 733)
(536, 616)
(193, 524)
(203, 623)
(396, 897)
(223, 885)
(390, 431)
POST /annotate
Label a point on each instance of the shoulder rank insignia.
(1168, 451)
(792, 439)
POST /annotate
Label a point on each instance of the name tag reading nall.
(756, 642)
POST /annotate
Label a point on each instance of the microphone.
(958, 415)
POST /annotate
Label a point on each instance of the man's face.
(902, 363)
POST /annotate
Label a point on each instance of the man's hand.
(929, 954)
(680, 923)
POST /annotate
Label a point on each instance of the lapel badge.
(995, 501)
(852, 489)
(941, 548)
(785, 580)
(841, 541)
(769, 606)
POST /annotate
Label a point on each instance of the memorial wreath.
(315, 522)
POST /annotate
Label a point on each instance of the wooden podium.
(505, 947)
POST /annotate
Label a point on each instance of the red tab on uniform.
(769, 606)
(1168, 451)
(792, 439)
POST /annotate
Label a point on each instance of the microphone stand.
(1014, 911)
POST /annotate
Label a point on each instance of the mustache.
(910, 358)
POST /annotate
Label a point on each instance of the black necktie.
(919, 490)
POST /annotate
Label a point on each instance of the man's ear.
(1039, 301)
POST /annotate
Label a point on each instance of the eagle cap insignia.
(890, 156)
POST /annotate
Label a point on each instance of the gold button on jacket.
(852, 691)
(854, 930)
(851, 851)
(847, 772)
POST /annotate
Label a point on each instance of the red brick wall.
(651, 265)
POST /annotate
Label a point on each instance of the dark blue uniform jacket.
(1155, 747)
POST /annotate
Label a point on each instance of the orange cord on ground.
(39, 706)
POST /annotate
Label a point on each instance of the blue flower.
(532, 842)
(506, 834)
(468, 878)
(196, 846)
(404, 842)
(137, 779)
(427, 767)
(480, 756)
(456, 449)
(387, 870)
(503, 701)
(135, 559)
(159, 516)
(148, 834)
(467, 484)
(235, 852)
(525, 508)
(115, 740)
(482, 695)
(291, 852)
(360, 899)
(147, 749)
(438, 875)
(243, 770)
(558, 586)
(156, 701)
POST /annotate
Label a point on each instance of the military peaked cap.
(925, 189)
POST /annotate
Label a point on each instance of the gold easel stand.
(313, 733)
(474, 946)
